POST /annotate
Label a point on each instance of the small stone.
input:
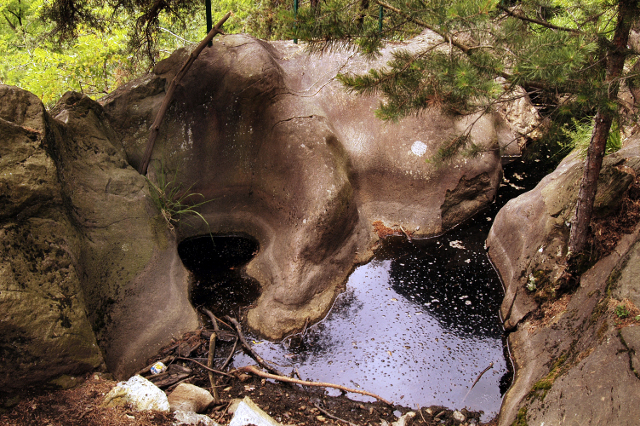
(457, 415)
(321, 419)
(191, 418)
(244, 377)
(249, 413)
(233, 405)
(190, 398)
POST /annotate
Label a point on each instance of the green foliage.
(579, 137)
(621, 311)
(172, 200)
(555, 49)
(94, 63)
(542, 386)
(102, 48)
(521, 417)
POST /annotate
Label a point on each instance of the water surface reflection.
(416, 325)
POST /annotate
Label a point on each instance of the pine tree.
(572, 51)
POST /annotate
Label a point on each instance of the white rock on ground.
(139, 393)
(248, 413)
(457, 415)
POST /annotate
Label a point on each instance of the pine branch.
(464, 48)
(545, 24)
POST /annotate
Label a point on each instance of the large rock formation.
(575, 358)
(286, 155)
(44, 330)
(280, 152)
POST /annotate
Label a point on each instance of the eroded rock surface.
(575, 360)
(134, 285)
(44, 331)
(286, 155)
(278, 150)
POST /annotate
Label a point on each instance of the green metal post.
(295, 14)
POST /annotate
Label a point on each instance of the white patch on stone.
(419, 148)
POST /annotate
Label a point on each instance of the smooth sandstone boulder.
(134, 285)
(268, 135)
(574, 365)
(44, 330)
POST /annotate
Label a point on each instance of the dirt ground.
(289, 404)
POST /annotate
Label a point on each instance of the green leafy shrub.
(172, 201)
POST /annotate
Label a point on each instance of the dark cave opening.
(217, 263)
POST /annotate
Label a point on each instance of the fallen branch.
(253, 353)
(204, 366)
(477, 379)
(406, 234)
(212, 379)
(253, 370)
(235, 344)
(155, 127)
(482, 374)
(212, 318)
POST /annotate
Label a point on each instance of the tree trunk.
(615, 58)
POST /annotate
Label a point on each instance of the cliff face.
(89, 267)
(575, 356)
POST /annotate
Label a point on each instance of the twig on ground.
(304, 329)
(204, 366)
(422, 415)
(406, 234)
(233, 350)
(175, 385)
(253, 370)
(328, 414)
(212, 318)
(253, 353)
(212, 379)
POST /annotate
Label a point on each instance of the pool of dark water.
(216, 262)
(417, 325)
